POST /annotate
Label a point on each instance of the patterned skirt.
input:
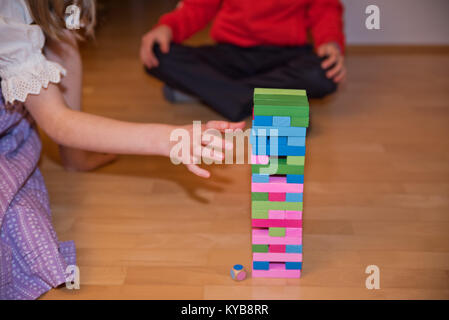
(32, 260)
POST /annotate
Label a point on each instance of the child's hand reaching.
(205, 151)
(90, 132)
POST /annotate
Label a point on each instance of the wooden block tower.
(278, 138)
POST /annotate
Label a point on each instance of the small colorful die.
(238, 272)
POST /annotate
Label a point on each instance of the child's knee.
(328, 86)
(320, 85)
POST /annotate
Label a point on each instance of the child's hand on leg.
(161, 35)
(334, 59)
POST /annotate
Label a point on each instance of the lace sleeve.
(23, 68)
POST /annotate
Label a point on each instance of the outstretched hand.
(209, 145)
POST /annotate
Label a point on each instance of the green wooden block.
(259, 214)
(276, 232)
(295, 160)
(282, 168)
(273, 110)
(300, 102)
(299, 92)
(259, 196)
(260, 247)
(279, 99)
(299, 122)
(261, 207)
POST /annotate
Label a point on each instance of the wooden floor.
(376, 191)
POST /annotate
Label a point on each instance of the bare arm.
(66, 53)
(79, 130)
(90, 132)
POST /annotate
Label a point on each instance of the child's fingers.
(336, 69)
(198, 171)
(146, 53)
(216, 142)
(329, 61)
(237, 125)
(165, 45)
(341, 76)
(151, 57)
(219, 125)
(223, 125)
(208, 153)
(144, 56)
(211, 154)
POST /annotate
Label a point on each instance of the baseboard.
(397, 49)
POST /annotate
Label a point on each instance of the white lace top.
(23, 67)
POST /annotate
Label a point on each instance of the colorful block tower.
(278, 138)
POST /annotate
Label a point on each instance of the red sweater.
(249, 23)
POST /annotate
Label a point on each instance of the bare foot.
(79, 160)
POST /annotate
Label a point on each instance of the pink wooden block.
(276, 248)
(280, 223)
(293, 232)
(277, 257)
(293, 215)
(261, 236)
(275, 196)
(277, 187)
(276, 214)
(259, 159)
(277, 270)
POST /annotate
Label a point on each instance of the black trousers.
(224, 76)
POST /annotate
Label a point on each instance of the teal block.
(281, 121)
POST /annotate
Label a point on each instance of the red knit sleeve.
(189, 17)
(325, 20)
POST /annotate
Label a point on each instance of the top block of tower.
(286, 97)
(288, 94)
(281, 103)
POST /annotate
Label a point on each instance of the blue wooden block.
(293, 197)
(263, 121)
(261, 265)
(261, 146)
(293, 248)
(279, 131)
(280, 150)
(281, 121)
(254, 151)
(252, 140)
(296, 141)
(292, 151)
(293, 265)
(261, 178)
(295, 178)
(278, 140)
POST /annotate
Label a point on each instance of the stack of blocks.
(278, 139)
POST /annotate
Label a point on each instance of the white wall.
(401, 22)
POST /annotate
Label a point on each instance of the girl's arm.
(67, 54)
(79, 130)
